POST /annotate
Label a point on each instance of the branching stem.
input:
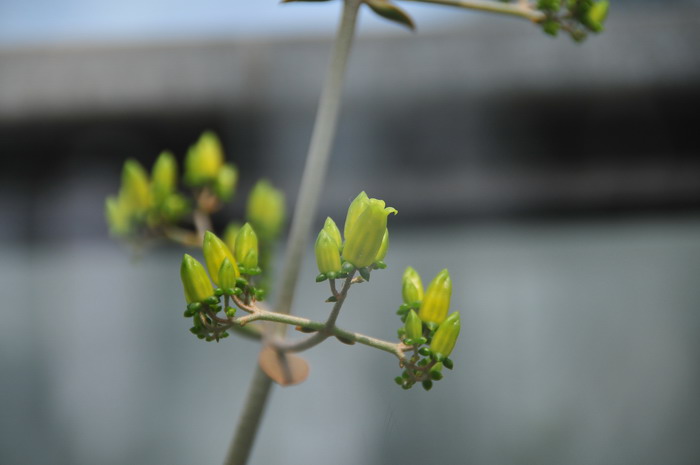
(520, 9)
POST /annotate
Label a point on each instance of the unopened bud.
(246, 249)
(135, 190)
(354, 210)
(164, 177)
(194, 280)
(215, 251)
(596, 15)
(413, 326)
(327, 254)
(383, 248)
(412, 287)
(332, 229)
(226, 180)
(436, 302)
(204, 160)
(445, 337)
(266, 210)
(227, 275)
(230, 236)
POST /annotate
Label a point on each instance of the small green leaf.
(391, 12)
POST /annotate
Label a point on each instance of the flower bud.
(596, 15)
(195, 280)
(226, 180)
(412, 287)
(332, 229)
(327, 253)
(117, 216)
(413, 326)
(266, 210)
(135, 191)
(228, 272)
(247, 247)
(204, 160)
(437, 299)
(364, 234)
(230, 234)
(356, 208)
(215, 251)
(383, 248)
(175, 207)
(445, 337)
(164, 177)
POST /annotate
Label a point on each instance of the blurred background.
(559, 183)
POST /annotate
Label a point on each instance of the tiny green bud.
(164, 177)
(348, 267)
(437, 299)
(266, 210)
(247, 247)
(327, 254)
(364, 230)
(215, 251)
(412, 287)
(436, 372)
(204, 160)
(321, 277)
(225, 183)
(194, 280)
(135, 189)
(398, 380)
(447, 362)
(425, 351)
(227, 275)
(383, 249)
(364, 273)
(427, 385)
(414, 327)
(445, 337)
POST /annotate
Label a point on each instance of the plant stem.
(305, 210)
(493, 7)
(317, 158)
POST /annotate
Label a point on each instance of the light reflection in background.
(580, 332)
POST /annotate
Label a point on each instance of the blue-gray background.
(558, 183)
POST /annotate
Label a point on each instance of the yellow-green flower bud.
(354, 210)
(266, 210)
(412, 287)
(194, 280)
(117, 216)
(228, 272)
(226, 180)
(332, 229)
(215, 251)
(135, 191)
(247, 247)
(175, 207)
(413, 326)
(230, 234)
(163, 177)
(204, 160)
(383, 248)
(437, 299)
(327, 253)
(597, 14)
(445, 336)
(364, 235)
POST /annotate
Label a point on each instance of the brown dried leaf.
(284, 369)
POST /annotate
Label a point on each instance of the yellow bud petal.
(204, 160)
(436, 302)
(215, 251)
(164, 177)
(445, 336)
(412, 287)
(247, 246)
(332, 229)
(194, 280)
(327, 253)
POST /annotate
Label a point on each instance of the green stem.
(493, 7)
(307, 202)
(318, 156)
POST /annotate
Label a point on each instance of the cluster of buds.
(576, 17)
(428, 331)
(144, 203)
(366, 240)
(231, 278)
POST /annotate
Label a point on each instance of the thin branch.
(519, 9)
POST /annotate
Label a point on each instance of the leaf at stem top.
(388, 10)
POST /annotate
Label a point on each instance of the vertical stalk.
(304, 211)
